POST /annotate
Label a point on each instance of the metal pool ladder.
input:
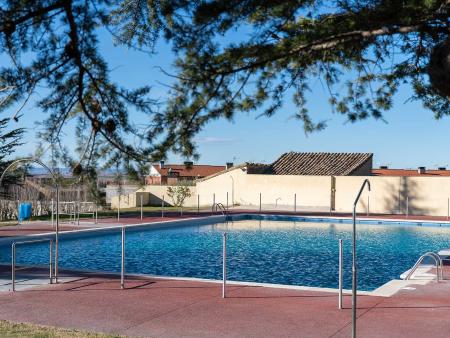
(219, 206)
(439, 265)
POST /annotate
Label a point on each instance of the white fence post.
(341, 258)
(368, 205)
(142, 212)
(118, 210)
(407, 206)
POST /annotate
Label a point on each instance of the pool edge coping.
(385, 290)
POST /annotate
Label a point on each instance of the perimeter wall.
(389, 195)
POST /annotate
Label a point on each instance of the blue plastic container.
(24, 211)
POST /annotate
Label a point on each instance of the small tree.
(9, 141)
(179, 194)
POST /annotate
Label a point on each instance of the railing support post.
(18, 212)
(198, 203)
(122, 266)
(227, 200)
(341, 261)
(50, 261)
(259, 202)
(13, 267)
(448, 208)
(368, 205)
(52, 213)
(118, 210)
(224, 266)
(407, 206)
(354, 265)
(57, 236)
(142, 211)
(162, 207)
(295, 202)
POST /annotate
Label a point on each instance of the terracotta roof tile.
(196, 170)
(323, 164)
(409, 172)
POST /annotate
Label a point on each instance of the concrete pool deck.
(151, 307)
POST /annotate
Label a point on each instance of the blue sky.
(411, 138)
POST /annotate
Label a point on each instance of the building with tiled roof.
(318, 164)
(171, 174)
(419, 172)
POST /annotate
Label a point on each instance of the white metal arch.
(56, 186)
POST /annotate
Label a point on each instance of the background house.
(173, 174)
(325, 182)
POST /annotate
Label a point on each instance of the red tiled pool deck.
(150, 307)
(173, 308)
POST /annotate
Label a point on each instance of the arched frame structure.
(56, 186)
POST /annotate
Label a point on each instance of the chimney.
(188, 164)
(421, 170)
(161, 164)
(229, 165)
(442, 168)
(384, 167)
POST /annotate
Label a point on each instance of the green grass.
(22, 330)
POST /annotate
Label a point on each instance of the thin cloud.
(215, 140)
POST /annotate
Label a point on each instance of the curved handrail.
(441, 263)
(354, 267)
(437, 260)
(216, 206)
(56, 186)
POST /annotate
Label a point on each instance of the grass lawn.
(19, 330)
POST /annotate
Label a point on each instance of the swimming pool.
(260, 249)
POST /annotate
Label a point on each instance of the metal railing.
(218, 206)
(13, 258)
(341, 275)
(224, 266)
(122, 265)
(83, 209)
(354, 265)
(437, 259)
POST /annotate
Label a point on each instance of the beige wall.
(244, 189)
(424, 195)
(151, 195)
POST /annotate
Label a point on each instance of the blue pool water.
(269, 251)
